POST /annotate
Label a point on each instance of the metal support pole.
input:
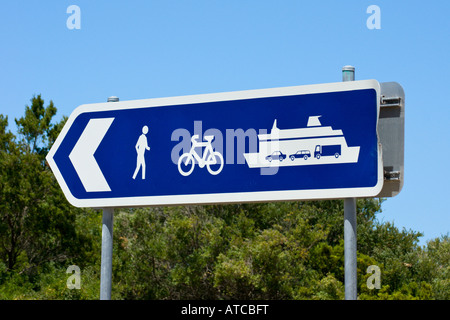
(107, 250)
(348, 74)
(107, 246)
(350, 249)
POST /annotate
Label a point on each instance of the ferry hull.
(258, 160)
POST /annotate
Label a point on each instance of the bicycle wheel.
(186, 164)
(215, 163)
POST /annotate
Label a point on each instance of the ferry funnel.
(313, 121)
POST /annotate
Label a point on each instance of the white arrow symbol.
(82, 155)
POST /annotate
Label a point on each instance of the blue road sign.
(303, 142)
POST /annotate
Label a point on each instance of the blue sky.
(145, 49)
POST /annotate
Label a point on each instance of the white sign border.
(212, 198)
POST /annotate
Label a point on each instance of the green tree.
(37, 224)
(282, 250)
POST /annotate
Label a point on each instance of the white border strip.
(252, 196)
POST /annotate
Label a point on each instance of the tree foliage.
(280, 250)
(284, 250)
(37, 225)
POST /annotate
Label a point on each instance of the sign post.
(350, 247)
(107, 246)
(107, 251)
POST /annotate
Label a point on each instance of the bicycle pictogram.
(213, 160)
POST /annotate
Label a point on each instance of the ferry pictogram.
(313, 145)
